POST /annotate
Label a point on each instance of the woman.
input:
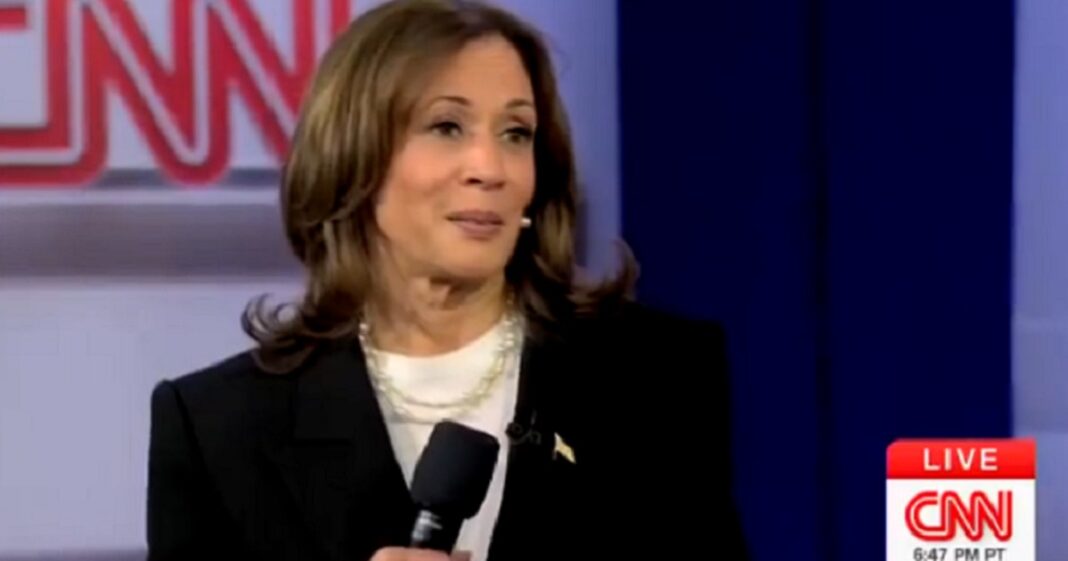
(430, 194)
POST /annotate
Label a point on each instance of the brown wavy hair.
(360, 101)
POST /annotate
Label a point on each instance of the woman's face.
(463, 173)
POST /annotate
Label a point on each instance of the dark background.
(832, 180)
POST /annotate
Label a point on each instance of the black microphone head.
(454, 471)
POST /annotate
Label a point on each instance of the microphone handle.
(432, 531)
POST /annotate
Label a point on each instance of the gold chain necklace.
(403, 402)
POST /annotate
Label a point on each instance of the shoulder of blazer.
(226, 411)
(227, 406)
(665, 364)
(636, 331)
(219, 394)
(236, 369)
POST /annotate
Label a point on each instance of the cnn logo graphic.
(952, 513)
(961, 500)
(202, 86)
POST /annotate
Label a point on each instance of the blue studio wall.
(1040, 279)
(832, 180)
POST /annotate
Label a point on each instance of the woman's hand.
(406, 554)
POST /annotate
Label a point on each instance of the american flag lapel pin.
(560, 448)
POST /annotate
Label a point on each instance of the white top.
(445, 377)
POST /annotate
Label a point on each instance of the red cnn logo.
(952, 513)
(179, 96)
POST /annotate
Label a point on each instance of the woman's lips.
(477, 224)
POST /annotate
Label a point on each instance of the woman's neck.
(425, 316)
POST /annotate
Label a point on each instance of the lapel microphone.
(450, 483)
(522, 434)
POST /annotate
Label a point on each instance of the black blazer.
(247, 465)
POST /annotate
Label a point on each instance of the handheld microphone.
(450, 483)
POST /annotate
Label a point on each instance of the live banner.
(960, 500)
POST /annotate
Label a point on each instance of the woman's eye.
(519, 135)
(446, 128)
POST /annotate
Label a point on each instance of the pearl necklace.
(471, 399)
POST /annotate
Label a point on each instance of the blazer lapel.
(338, 463)
(522, 530)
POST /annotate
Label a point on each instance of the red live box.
(961, 459)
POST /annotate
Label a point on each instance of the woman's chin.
(474, 270)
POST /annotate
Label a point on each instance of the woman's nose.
(484, 163)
